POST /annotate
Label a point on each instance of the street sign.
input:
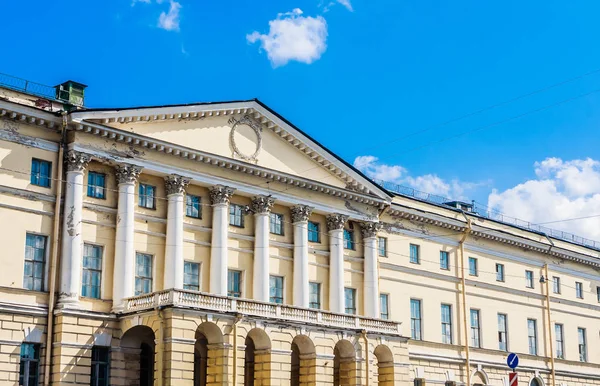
(512, 361)
(513, 379)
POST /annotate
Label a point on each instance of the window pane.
(348, 239)
(472, 266)
(382, 244)
(34, 262)
(532, 336)
(444, 260)
(383, 306)
(415, 319)
(414, 253)
(350, 300)
(314, 300)
(276, 289)
(313, 232)
(446, 324)
(234, 283)
(191, 276)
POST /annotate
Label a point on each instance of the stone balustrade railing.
(203, 301)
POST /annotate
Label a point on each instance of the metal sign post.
(512, 361)
(513, 379)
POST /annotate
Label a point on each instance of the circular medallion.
(255, 126)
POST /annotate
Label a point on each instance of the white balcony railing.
(199, 300)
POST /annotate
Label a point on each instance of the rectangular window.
(382, 245)
(276, 289)
(473, 266)
(414, 254)
(29, 369)
(560, 342)
(100, 366)
(193, 206)
(147, 196)
(532, 336)
(529, 279)
(314, 232)
(475, 329)
(598, 293)
(499, 272)
(384, 310)
(556, 284)
(444, 260)
(91, 276)
(35, 262)
(350, 300)
(191, 276)
(446, 323)
(579, 290)
(314, 295)
(582, 344)
(236, 215)
(348, 239)
(96, 185)
(276, 223)
(502, 333)
(234, 283)
(40, 172)
(415, 319)
(143, 273)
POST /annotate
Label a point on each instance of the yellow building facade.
(218, 244)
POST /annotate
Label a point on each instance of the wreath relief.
(245, 120)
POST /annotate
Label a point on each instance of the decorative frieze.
(370, 229)
(76, 161)
(262, 204)
(301, 213)
(127, 174)
(176, 184)
(220, 194)
(336, 221)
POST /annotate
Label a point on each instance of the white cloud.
(293, 37)
(170, 21)
(346, 3)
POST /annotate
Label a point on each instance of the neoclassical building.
(218, 244)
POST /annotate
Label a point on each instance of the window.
(384, 310)
(502, 333)
(350, 300)
(193, 206)
(314, 295)
(147, 196)
(415, 319)
(35, 262)
(598, 294)
(529, 279)
(560, 343)
(419, 382)
(579, 290)
(472, 266)
(236, 215)
(532, 336)
(191, 276)
(91, 277)
(499, 272)
(348, 239)
(314, 232)
(414, 254)
(276, 223)
(582, 344)
(29, 369)
(475, 329)
(444, 260)
(96, 185)
(40, 172)
(446, 323)
(100, 366)
(276, 289)
(234, 283)
(143, 273)
(382, 244)
(556, 284)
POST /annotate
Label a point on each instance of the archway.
(303, 361)
(138, 350)
(344, 363)
(257, 357)
(385, 365)
(536, 381)
(208, 339)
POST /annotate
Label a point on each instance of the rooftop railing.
(24, 85)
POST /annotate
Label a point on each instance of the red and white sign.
(512, 379)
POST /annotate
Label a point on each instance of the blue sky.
(357, 75)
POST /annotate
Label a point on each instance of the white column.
(219, 197)
(72, 238)
(124, 269)
(335, 225)
(300, 215)
(261, 206)
(371, 269)
(175, 187)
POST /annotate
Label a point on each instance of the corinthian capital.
(220, 194)
(336, 221)
(370, 229)
(76, 161)
(262, 204)
(301, 213)
(175, 184)
(127, 174)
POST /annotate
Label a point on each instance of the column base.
(68, 301)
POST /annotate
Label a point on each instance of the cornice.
(30, 115)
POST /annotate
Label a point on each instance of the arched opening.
(257, 357)
(536, 381)
(303, 361)
(207, 336)
(138, 349)
(479, 379)
(344, 363)
(385, 365)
